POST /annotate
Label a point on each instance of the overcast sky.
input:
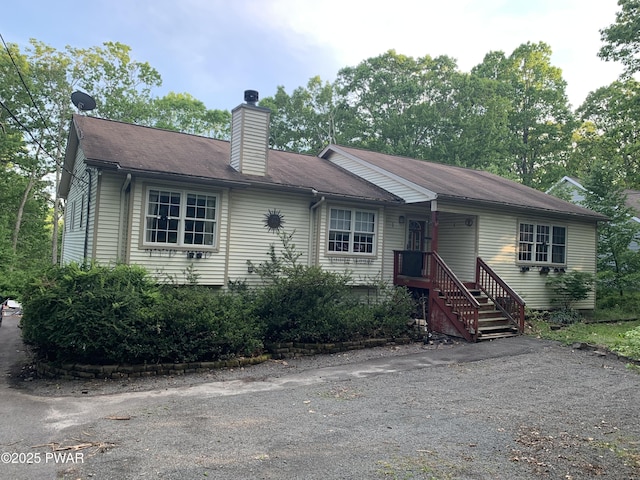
(215, 49)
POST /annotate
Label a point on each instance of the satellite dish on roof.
(83, 101)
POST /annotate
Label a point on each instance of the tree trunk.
(23, 202)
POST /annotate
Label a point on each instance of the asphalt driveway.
(516, 408)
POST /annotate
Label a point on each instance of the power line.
(37, 142)
(44, 121)
(26, 129)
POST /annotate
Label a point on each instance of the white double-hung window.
(180, 218)
(352, 231)
(540, 243)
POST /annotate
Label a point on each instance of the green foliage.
(89, 313)
(309, 304)
(610, 305)
(184, 113)
(307, 120)
(610, 119)
(568, 288)
(564, 316)
(539, 120)
(619, 267)
(622, 39)
(611, 335)
(103, 315)
(630, 344)
(96, 314)
(195, 323)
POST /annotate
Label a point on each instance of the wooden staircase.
(492, 323)
(483, 310)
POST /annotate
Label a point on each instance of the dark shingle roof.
(457, 183)
(133, 148)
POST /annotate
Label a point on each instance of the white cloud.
(214, 49)
(463, 29)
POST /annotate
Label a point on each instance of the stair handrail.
(502, 295)
(461, 299)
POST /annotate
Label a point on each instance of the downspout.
(312, 230)
(123, 190)
(86, 230)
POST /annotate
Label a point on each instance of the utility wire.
(44, 121)
(37, 142)
(23, 127)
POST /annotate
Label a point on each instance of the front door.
(413, 258)
(416, 235)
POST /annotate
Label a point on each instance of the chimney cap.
(251, 96)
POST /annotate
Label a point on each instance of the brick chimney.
(250, 136)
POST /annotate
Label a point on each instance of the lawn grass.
(609, 335)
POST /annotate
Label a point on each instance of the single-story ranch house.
(476, 245)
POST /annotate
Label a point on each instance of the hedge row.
(113, 315)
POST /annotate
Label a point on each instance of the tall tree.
(424, 108)
(622, 39)
(307, 120)
(396, 104)
(611, 131)
(618, 266)
(540, 121)
(184, 113)
(37, 89)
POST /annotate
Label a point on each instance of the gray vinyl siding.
(457, 244)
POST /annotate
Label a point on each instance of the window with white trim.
(72, 216)
(540, 243)
(180, 218)
(351, 231)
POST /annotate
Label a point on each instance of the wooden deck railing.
(454, 293)
(503, 297)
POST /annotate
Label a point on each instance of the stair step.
(496, 328)
(491, 336)
(491, 320)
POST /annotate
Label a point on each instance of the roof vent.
(251, 97)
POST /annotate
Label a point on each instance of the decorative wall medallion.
(273, 220)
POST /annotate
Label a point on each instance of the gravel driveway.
(516, 408)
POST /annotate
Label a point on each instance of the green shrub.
(569, 288)
(95, 314)
(564, 316)
(198, 323)
(630, 345)
(89, 313)
(315, 306)
(103, 315)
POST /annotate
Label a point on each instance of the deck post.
(434, 229)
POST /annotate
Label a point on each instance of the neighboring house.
(575, 190)
(468, 240)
